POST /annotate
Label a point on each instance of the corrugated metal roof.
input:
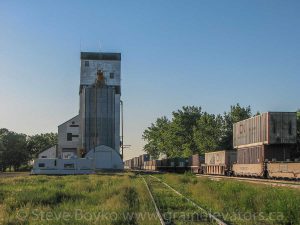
(73, 118)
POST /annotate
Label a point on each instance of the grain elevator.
(98, 145)
(100, 92)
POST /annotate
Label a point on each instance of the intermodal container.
(267, 128)
(262, 153)
(224, 157)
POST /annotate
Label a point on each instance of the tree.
(40, 142)
(17, 149)
(13, 149)
(156, 136)
(208, 132)
(236, 114)
(3, 132)
(298, 127)
(192, 131)
(173, 138)
(181, 131)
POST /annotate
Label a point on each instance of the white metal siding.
(65, 128)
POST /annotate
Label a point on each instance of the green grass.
(86, 199)
(122, 198)
(239, 202)
(175, 209)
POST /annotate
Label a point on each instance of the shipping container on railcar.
(219, 162)
(131, 163)
(142, 159)
(164, 165)
(177, 164)
(254, 161)
(266, 153)
(147, 165)
(152, 165)
(126, 164)
(195, 162)
(267, 128)
(171, 163)
(269, 137)
(135, 163)
(167, 165)
(181, 164)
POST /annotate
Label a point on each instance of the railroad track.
(281, 183)
(174, 208)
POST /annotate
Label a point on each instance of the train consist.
(265, 146)
(179, 164)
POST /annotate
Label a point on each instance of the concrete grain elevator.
(96, 146)
(100, 93)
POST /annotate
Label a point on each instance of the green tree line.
(17, 149)
(191, 131)
(298, 129)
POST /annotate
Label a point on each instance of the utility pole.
(122, 127)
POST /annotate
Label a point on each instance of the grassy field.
(86, 199)
(123, 199)
(238, 202)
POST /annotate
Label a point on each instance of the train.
(265, 146)
(218, 163)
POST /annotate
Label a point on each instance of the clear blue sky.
(174, 53)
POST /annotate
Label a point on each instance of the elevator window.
(69, 136)
(69, 166)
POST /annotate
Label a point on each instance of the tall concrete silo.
(98, 121)
(100, 92)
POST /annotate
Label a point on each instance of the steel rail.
(220, 222)
(154, 203)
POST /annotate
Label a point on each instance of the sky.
(205, 53)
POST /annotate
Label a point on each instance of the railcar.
(219, 163)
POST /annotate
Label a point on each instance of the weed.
(236, 200)
(112, 194)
